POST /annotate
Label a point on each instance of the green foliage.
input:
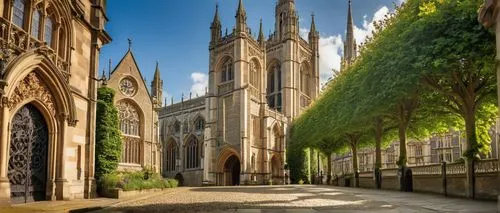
(428, 68)
(298, 159)
(313, 164)
(130, 181)
(108, 136)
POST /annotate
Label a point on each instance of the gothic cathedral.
(236, 133)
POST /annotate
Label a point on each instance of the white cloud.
(330, 50)
(361, 33)
(304, 33)
(200, 82)
(331, 47)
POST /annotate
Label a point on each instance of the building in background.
(236, 133)
(434, 150)
(138, 114)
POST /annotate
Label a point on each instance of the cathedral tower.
(350, 46)
(256, 87)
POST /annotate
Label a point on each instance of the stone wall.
(366, 180)
(430, 179)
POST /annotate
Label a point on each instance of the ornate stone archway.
(32, 78)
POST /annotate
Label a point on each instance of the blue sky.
(176, 33)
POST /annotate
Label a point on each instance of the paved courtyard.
(304, 198)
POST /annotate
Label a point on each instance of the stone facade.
(431, 151)
(256, 87)
(49, 54)
(138, 114)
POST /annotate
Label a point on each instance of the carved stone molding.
(228, 50)
(33, 87)
(4, 102)
(254, 52)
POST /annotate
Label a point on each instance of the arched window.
(18, 13)
(36, 21)
(277, 138)
(199, 124)
(171, 156)
(192, 153)
(254, 74)
(129, 119)
(48, 30)
(227, 72)
(177, 127)
(62, 43)
(305, 79)
(274, 87)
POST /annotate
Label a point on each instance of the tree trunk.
(329, 169)
(378, 155)
(470, 131)
(402, 144)
(355, 163)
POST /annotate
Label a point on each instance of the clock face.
(127, 87)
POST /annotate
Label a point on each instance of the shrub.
(129, 181)
(109, 181)
(172, 183)
(301, 182)
(270, 182)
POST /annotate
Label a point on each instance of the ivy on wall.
(108, 135)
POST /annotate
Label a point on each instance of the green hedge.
(298, 163)
(130, 181)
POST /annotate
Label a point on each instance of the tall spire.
(216, 27)
(157, 72)
(241, 18)
(313, 35)
(350, 43)
(156, 86)
(216, 20)
(313, 31)
(261, 39)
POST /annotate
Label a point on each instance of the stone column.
(4, 151)
(62, 186)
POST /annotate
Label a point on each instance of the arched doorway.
(28, 155)
(276, 170)
(232, 171)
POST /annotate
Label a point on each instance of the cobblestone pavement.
(297, 198)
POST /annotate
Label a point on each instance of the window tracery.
(254, 74)
(36, 20)
(171, 156)
(129, 119)
(305, 78)
(199, 124)
(48, 30)
(18, 13)
(227, 72)
(192, 153)
(274, 87)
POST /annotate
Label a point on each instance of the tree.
(108, 135)
(456, 59)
